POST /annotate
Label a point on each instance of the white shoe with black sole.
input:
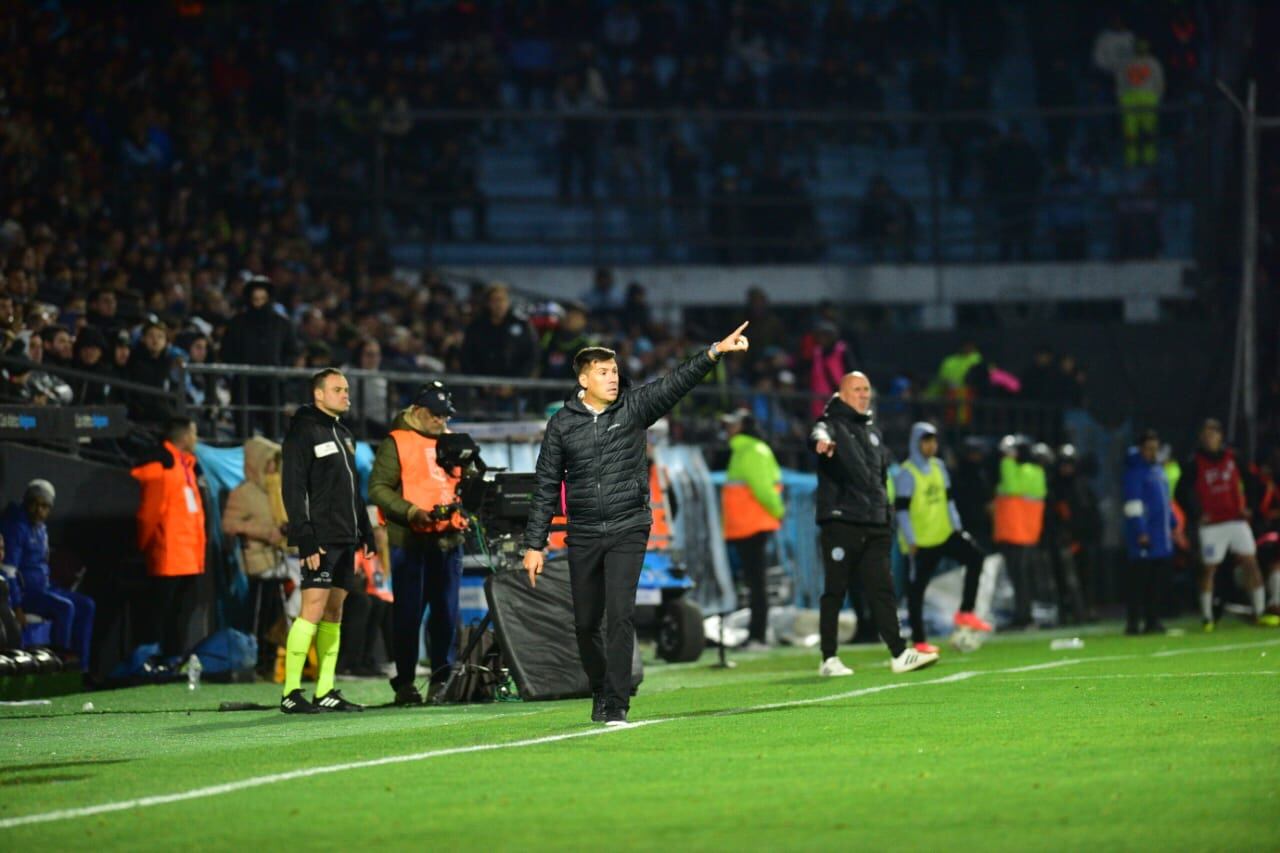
(833, 667)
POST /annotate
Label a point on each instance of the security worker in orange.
(419, 501)
(171, 531)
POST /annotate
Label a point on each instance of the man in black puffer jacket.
(854, 519)
(595, 446)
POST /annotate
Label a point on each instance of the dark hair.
(318, 378)
(1146, 435)
(588, 356)
(176, 427)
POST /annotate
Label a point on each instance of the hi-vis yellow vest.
(930, 519)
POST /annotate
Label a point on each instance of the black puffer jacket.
(601, 458)
(851, 484)
(320, 484)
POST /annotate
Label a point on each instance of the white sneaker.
(911, 659)
(833, 667)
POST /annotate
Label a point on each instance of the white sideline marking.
(1263, 672)
(307, 772)
(257, 781)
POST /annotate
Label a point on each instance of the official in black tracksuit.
(327, 523)
(595, 446)
(854, 519)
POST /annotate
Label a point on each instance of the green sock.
(296, 648)
(327, 636)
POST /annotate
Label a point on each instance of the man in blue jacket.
(27, 542)
(1148, 528)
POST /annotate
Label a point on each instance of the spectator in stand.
(1139, 90)
(767, 328)
(171, 532)
(886, 223)
(500, 343)
(89, 356)
(370, 411)
(635, 319)
(102, 309)
(604, 300)
(829, 362)
(562, 343)
(57, 345)
(1211, 491)
(1039, 381)
(1149, 523)
(261, 337)
(27, 540)
(151, 363)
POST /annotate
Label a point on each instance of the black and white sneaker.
(295, 703)
(597, 707)
(334, 701)
(614, 717)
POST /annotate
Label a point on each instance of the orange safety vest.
(1018, 520)
(171, 516)
(423, 482)
(660, 532)
(742, 514)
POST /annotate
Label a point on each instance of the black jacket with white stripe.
(320, 483)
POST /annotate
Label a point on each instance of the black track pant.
(850, 550)
(751, 556)
(960, 547)
(1148, 580)
(603, 574)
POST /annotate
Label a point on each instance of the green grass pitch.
(1146, 743)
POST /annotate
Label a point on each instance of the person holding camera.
(595, 446)
(418, 498)
(328, 524)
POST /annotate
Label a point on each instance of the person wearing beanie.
(27, 547)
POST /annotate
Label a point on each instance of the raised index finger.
(738, 330)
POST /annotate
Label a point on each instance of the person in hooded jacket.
(595, 446)
(328, 523)
(855, 523)
(931, 529)
(1148, 534)
(255, 514)
(262, 337)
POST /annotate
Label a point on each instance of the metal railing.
(241, 400)
(606, 187)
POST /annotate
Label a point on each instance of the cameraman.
(419, 502)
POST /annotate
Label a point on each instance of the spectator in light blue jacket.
(1149, 523)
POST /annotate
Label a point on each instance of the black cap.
(434, 397)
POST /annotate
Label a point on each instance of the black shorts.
(337, 568)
